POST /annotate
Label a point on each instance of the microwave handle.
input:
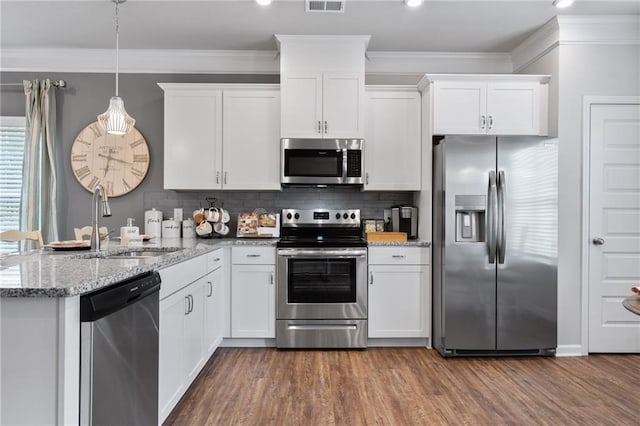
(345, 157)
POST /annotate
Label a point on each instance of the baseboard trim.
(389, 342)
(248, 343)
(570, 350)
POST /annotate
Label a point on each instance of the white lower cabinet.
(399, 298)
(190, 328)
(253, 292)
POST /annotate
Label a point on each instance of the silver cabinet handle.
(490, 122)
(319, 127)
(483, 122)
(366, 178)
(225, 177)
(398, 256)
(217, 177)
(271, 279)
(254, 255)
(598, 241)
(210, 288)
(187, 305)
(217, 259)
(370, 278)
(191, 304)
(326, 128)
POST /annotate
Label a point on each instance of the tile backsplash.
(371, 204)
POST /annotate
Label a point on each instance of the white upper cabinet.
(512, 104)
(221, 136)
(322, 82)
(251, 139)
(392, 139)
(192, 138)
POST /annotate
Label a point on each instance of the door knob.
(598, 241)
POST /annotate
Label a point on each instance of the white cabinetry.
(191, 309)
(221, 136)
(253, 292)
(322, 105)
(399, 297)
(322, 81)
(392, 139)
(513, 104)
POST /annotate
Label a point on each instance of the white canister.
(153, 223)
(188, 229)
(170, 229)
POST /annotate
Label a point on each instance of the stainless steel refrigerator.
(495, 245)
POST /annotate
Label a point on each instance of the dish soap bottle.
(129, 231)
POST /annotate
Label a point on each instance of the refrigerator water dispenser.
(470, 218)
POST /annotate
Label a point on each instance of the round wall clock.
(119, 163)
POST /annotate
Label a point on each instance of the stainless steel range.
(322, 280)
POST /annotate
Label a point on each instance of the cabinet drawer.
(215, 259)
(398, 255)
(177, 276)
(253, 255)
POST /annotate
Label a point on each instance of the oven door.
(326, 283)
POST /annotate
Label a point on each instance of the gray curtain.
(38, 201)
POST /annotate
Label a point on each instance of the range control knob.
(337, 215)
(353, 215)
(289, 216)
(297, 215)
(345, 216)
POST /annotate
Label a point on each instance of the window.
(12, 140)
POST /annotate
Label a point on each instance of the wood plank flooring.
(409, 386)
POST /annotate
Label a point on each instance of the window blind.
(12, 140)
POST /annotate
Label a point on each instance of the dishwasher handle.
(100, 303)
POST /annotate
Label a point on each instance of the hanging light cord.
(117, 43)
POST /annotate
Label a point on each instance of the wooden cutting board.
(387, 237)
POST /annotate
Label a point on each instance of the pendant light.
(115, 119)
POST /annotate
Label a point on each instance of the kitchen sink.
(141, 253)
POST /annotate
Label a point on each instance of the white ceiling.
(436, 26)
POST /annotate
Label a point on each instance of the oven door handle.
(297, 253)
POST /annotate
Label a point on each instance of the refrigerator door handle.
(492, 216)
(502, 211)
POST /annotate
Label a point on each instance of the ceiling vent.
(328, 6)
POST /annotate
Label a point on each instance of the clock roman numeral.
(82, 172)
(79, 157)
(82, 141)
(108, 186)
(136, 143)
(137, 172)
(140, 158)
(126, 185)
(97, 132)
(93, 183)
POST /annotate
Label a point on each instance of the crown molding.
(419, 63)
(141, 61)
(576, 30)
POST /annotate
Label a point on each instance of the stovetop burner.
(321, 228)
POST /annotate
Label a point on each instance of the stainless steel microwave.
(322, 161)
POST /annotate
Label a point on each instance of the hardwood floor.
(409, 386)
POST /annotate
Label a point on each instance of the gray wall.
(88, 95)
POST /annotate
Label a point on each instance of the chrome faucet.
(98, 192)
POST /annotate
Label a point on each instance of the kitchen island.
(40, 320)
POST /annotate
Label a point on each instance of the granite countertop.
(46, 273)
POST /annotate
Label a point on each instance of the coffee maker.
(405, 219)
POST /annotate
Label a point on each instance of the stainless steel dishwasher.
(119, 353)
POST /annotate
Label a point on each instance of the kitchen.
(89, 91)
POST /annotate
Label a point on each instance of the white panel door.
(342, 105)
(251, 139)
(192, 139)
(513, 108)
(614, 227)
(459, 107)
(392, 141)
(302, 106)
(194, 331)
(253, 301)
(213, 310)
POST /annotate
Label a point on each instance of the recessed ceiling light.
(263, 2)
(562, 3)
(413, 3)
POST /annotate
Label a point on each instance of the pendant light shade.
(115, 119)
